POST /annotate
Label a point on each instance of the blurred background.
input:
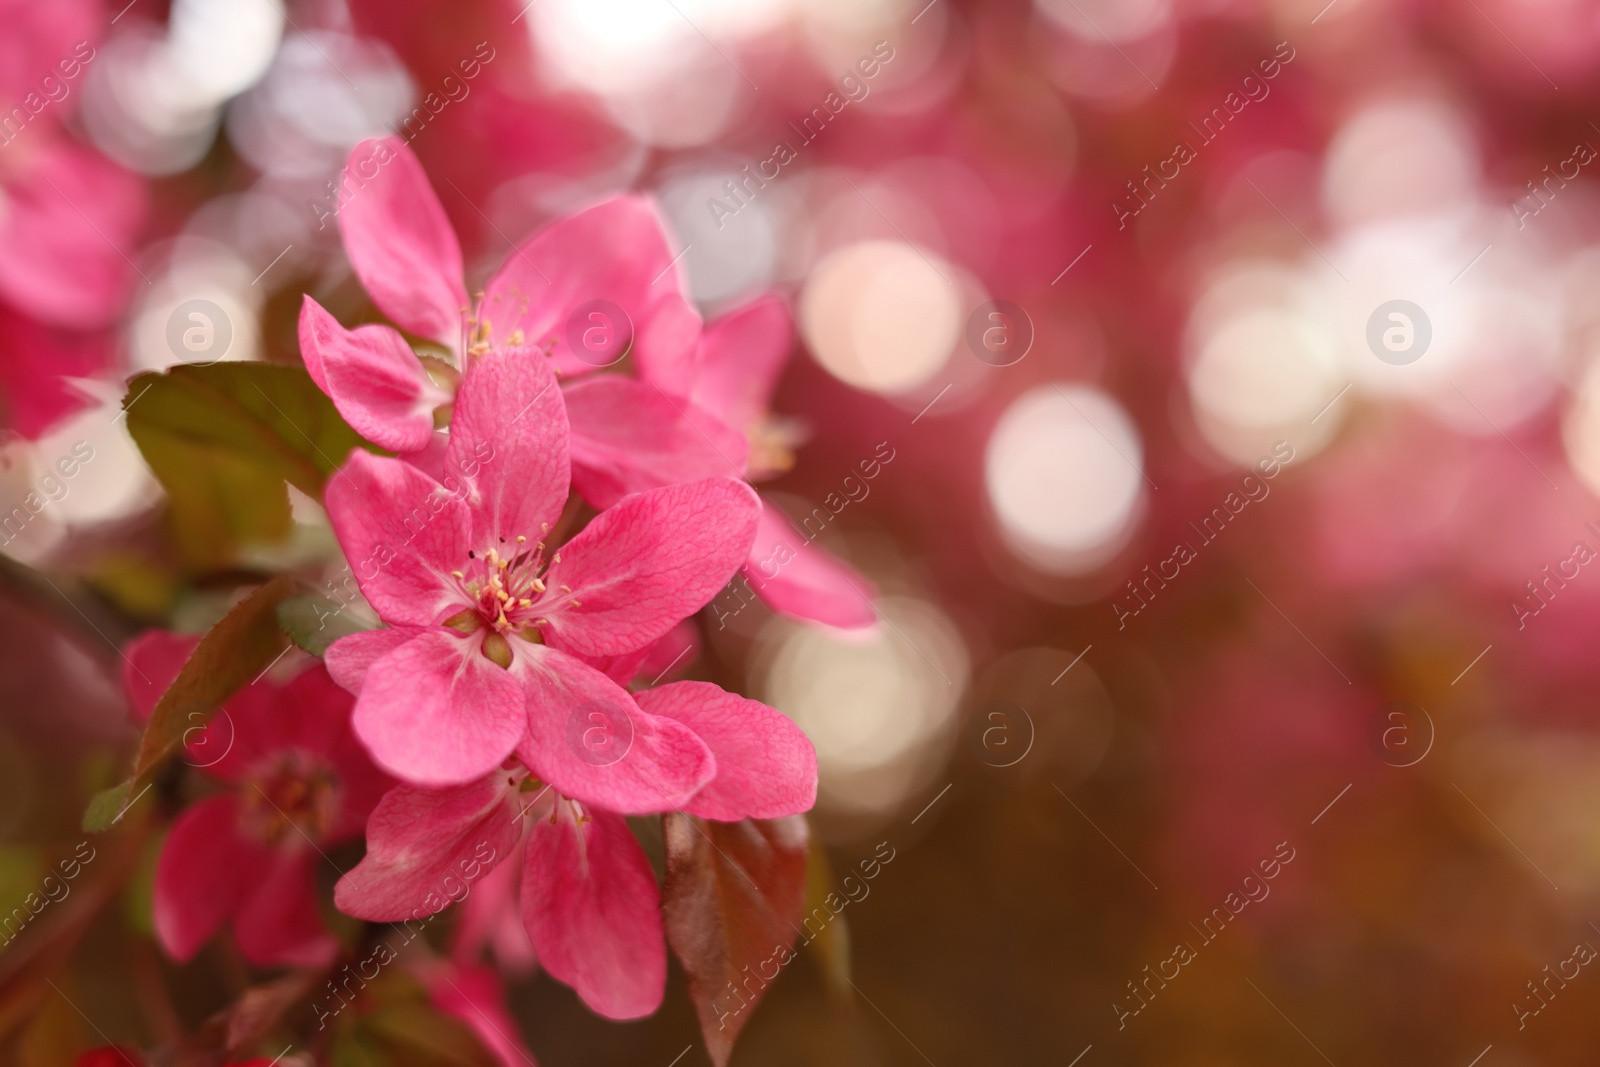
(1210, 386)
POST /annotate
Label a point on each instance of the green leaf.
(106, 807)
(315, 622)
(224, 438)
(231, 655)
(831, 942)
(21, 867)
(733, 897)
(352, 1048)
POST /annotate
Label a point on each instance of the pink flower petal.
(401, 243)
(628, 436)
(67, 29)
(741, 355)
(621, 669)
(590, 741)
(204, 871)
(616, 251)
(475, 996)
(278, 924)
(36, 365)
(666, 346)
(372, 377)
(794, 576)
(766, 767)
(593, 912)
(403, 534)
(508, 444)
(490, 919)
(311, 716)
(427, 847)
(151, 663)
(229, 744)
(437, 712)
(349, 658)
(643, 566)
(430, 458)
(672, 655)
(309, 713)
(68, 211)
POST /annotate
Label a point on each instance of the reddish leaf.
(255, 1013)
(230, 656)
(733, 898)
(242, 1025)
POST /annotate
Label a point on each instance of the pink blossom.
(490, 628)
(298, 784)
(402, 247)
(588, 897)
(697, 403)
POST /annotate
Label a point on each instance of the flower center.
(289, 796)
(536, 799)
(773, 440)
(478, 330)
(504, 587)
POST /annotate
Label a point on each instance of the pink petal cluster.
(296, 783)
(496, 689)
(584, 292)
(492, 628)
(588, 898)
(487, 684)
